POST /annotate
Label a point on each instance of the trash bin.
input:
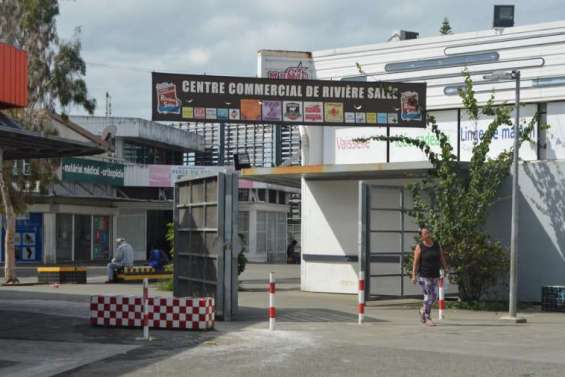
(553, 298)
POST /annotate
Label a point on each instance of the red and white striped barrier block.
(162, 313)
(272, 311)
(361, 298)
(441, 301)
(146, 309)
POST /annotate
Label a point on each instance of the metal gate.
(386, 237)
(206, 242)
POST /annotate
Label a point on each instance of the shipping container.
(13, 77)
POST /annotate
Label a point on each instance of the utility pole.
(513, 295)
(513, 291)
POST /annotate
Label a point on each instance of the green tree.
(56, 80)
(454, 201)
(445, 28)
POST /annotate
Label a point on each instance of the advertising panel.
(287, 65)
(472, 132)
(202, 98)
(167, 175)
(348, 151)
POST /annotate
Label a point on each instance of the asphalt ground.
(44, 331)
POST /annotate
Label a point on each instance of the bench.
(61, 275)
(138, 273)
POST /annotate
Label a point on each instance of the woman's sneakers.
(427, 322)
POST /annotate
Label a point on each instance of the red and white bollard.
(146, 309)
(441, 301)
(361, 298)
(272, 311)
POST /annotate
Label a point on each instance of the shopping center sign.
(223, 99)
(83, 170)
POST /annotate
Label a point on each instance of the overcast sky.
(124, 40)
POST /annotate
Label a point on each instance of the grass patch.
(166, 285)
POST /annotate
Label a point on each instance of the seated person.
(157, 259)
(123, 257)
(291, 252)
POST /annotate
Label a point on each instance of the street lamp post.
(513, 293)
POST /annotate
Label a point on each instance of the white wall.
(330, 227)
(537, 50)
(541, 231)
(556, 132)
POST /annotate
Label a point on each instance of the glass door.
(83, 237)
(64, 235)
(101, 241)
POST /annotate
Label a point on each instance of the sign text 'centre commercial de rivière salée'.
(217, 99)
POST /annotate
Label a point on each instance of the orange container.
(13, 77)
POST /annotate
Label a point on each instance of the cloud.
(123, 41)
(198, 56)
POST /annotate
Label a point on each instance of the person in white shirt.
(123, 257)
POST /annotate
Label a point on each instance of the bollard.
(272, 311)
(146, 309)
(441, 302)
(361, 298)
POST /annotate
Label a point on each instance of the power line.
(119, 66)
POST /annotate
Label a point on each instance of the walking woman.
(428, 259)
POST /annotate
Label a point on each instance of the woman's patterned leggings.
(429, 287)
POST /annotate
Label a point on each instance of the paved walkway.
(44, 332)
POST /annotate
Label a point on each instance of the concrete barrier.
(163, 313)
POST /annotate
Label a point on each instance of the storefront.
(83, 237)
(263, 211)
(16, 143)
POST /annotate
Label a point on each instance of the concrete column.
(252, 234)
(49, 238)
(114, 234)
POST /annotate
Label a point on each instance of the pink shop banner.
(160, 176)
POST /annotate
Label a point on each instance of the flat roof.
(18, 143)
(292, 175)
(144, 132)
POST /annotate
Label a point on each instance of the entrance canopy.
(17, 143)
(291, 175)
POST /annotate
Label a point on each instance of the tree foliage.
(445, 28)
(56, 81)
(454, 200)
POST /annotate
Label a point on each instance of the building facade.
(330, 193)
(126, 193)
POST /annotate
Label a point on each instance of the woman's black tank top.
(430, 261)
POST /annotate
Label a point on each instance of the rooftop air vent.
(403, 35)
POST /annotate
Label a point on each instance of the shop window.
(261, 193)
(83, 237)
(101, 238)
(64, 237)
(243, 195)
(244, 230)
(273, 196)
(282, 197)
